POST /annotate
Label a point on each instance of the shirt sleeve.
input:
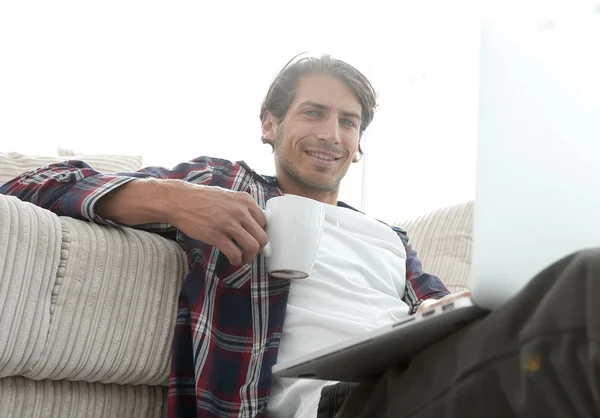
(420, 286)
(72, 188)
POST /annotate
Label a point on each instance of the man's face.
(317, 139)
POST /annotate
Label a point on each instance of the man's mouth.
(327, 158)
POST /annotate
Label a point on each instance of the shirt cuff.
(89, 191)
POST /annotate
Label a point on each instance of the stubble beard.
(288, 168)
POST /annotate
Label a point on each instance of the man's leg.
(536, 356)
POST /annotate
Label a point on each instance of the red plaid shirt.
(229, 318)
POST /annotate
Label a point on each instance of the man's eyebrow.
(321, 106)
(351, 114)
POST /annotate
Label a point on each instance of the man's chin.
(311, 179)
(319, 184)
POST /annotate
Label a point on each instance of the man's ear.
(269, 126)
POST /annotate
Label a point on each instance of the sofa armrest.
(85, 302)
(114, 314)
(30, 246)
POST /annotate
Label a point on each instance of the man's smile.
(323, 157)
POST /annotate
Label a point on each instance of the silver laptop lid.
(538, 167)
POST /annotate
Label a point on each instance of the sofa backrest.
(443, 240)
(13, 164)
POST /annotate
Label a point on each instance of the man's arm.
(420, 286)
(155, 198)
(228, 220)
(68, 189)
(141, 202)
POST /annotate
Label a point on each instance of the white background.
(174, 80)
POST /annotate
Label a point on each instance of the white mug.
(294, 229)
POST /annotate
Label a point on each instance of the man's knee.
(569, 288)
(589, 255)
(585, 264)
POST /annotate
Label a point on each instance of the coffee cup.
(294, 228)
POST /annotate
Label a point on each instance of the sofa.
(87, 311)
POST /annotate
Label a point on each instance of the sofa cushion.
(12, 164)
(443, 240)
(21, 397)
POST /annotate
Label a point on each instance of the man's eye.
(312, 113)
(349, 123)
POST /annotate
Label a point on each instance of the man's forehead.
(328, 91)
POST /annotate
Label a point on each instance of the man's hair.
(285, 86)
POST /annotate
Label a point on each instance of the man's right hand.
(231, 221)
(216, 216)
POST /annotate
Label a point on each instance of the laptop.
(537, 195)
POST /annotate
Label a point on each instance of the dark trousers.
(536, 356)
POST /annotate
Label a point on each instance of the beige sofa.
(87, 312)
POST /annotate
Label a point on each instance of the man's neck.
(290, 187)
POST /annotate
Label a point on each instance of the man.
(313, 116)
(230, 326)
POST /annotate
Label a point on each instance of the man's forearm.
(141, 201)
(229, 220)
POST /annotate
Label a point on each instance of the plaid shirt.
(229, 318)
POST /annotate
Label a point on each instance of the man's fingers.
(230, 250)
(462, 294)
(250, 246)
(432, 303)
(257, 232)
(258, 215)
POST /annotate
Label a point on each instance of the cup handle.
(267, 250)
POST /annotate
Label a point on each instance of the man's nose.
(330, 130)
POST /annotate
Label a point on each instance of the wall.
(176, 80)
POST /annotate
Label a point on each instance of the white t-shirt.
(356, 286)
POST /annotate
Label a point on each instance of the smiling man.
(527, 358)
(315, 133)
(230, 327)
